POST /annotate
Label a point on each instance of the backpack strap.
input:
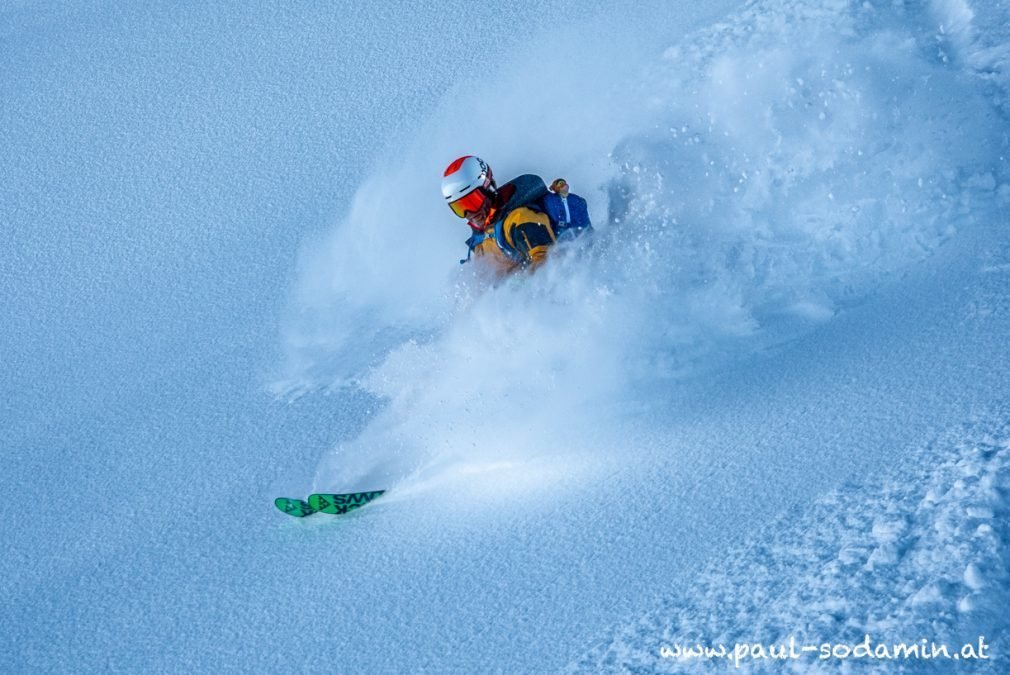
(473, 242)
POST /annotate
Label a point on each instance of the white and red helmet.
(468, 186)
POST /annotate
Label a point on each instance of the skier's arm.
(530, 234)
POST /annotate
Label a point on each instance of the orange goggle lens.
(471, 203)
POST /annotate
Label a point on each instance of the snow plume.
(752, 183)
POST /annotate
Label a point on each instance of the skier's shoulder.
(526, 190)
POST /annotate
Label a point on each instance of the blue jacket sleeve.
(580, 211)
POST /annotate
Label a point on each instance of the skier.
(509, 225)
(568, 212)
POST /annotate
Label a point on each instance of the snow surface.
(767, 399)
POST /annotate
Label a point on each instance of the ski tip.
(294, 507)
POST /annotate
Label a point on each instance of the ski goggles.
(471, 203)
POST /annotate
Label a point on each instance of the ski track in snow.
(789, 165)
(786, 167)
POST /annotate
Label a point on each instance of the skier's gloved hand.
(522, 245)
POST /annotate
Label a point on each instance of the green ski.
(335, 504)
(341, 503)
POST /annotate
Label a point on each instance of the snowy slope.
(767, 399)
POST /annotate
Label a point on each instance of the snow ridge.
(921, 551)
